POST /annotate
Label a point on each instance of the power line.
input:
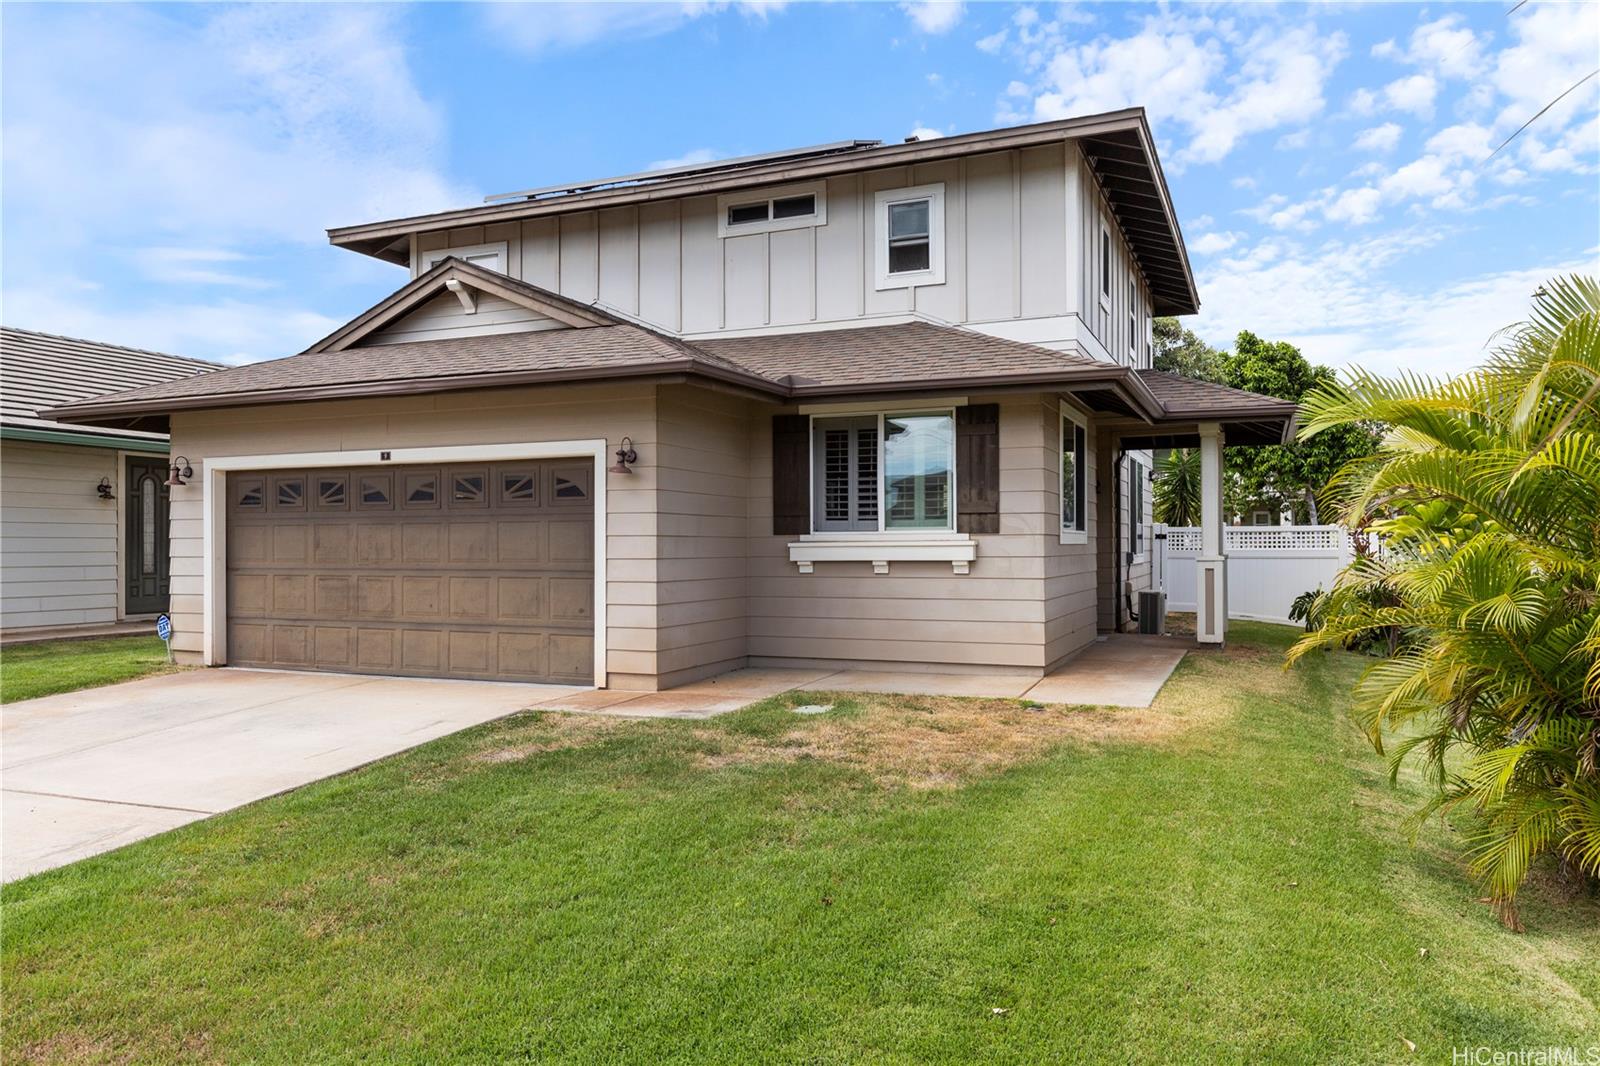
(1543, 109)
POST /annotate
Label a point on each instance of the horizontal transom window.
(883, 472)
(766, 210)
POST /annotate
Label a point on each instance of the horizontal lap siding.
(921, 614)
(501, 416)
(704, 486)
(60, 539)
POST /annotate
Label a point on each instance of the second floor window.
(909, 232)
(766, 210)
(1105, 265)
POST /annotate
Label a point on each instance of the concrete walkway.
(86, 772)
(1119, 670)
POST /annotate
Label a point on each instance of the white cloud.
(1220, 87)
(693, 157)
(994, 42)
(273, 121)
(204, 138)
(196, 266)
(1465, 141)
(1413, 94)
(1354, 205)
(1363, 102)
(1555, 47)
(1379, 138)
(1016, 88)
(924, 133)
(934, 16)
(1446, 48)
(541, 27)
(1337, 305)
(1212, 243)
(231, 331)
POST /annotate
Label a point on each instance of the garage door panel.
(334, 596)
(332, 544)
(521, 599)
(471, 598)
(375, 544)
(336, 647)
(375, 597)
(522, 543)
(475, 572)
(291, 543)
(421, 598)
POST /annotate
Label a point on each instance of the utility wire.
(1542, 110)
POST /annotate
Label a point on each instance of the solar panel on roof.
(713, 167)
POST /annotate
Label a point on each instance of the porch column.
(1211, 568)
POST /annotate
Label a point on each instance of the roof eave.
(383, 231)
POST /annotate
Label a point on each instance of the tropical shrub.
(1485, 491)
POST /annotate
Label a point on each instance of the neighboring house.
(83, 510)
(877, 405)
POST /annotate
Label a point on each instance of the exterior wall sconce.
(104, 489)
(180, 470)
(625, 455)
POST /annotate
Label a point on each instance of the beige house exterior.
(865, 405)
(82, 508)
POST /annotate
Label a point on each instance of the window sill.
(1074, 536)
(881, 549)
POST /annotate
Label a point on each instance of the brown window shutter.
(791, 475)
(978, 468)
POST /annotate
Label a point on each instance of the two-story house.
(884, 405)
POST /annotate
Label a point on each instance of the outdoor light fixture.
(104, 489)
(180, 470)
(625, 455)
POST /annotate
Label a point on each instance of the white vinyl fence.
(1268, 566)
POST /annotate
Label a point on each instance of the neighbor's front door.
(145, 564)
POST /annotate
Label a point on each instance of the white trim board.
(214, 509)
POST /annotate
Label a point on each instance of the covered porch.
(1194, 414)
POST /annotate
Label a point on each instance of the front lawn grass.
(1222, 878)
(29, 670)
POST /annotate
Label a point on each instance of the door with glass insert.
(145, 561)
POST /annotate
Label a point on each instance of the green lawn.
(1220, 879)
(29, 670)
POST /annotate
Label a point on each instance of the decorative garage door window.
(482, 571)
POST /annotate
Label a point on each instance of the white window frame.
(1136, 521)
(818, 190)
(426, 261)
(883, 530)
(1071, 414)
(1133, 319)
(881, 202)
(1105, 268)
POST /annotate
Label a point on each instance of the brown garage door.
(482, 571)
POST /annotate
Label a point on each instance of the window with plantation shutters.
(845, 474)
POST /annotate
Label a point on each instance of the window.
(331, 492)
(1133, 320)
(147, 524)
(290, 494)
(1105, 268)
(768, 210)
(519, 486)
(890, 472)
(1074, 479)
(1136, 491)
(252, 492)
(492, 256)
(909, 231)
(374, 491)
(422, 490)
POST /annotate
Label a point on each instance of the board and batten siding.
(499, 416)
(1021, 245)
(1026, 606)
(58, 566)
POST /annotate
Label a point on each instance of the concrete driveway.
(86, 772)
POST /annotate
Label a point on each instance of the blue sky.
(169, 170)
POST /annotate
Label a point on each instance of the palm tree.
(1486, 493)
(1177, 488)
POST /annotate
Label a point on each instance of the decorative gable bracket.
(467, 296)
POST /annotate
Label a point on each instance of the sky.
(169, 171)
